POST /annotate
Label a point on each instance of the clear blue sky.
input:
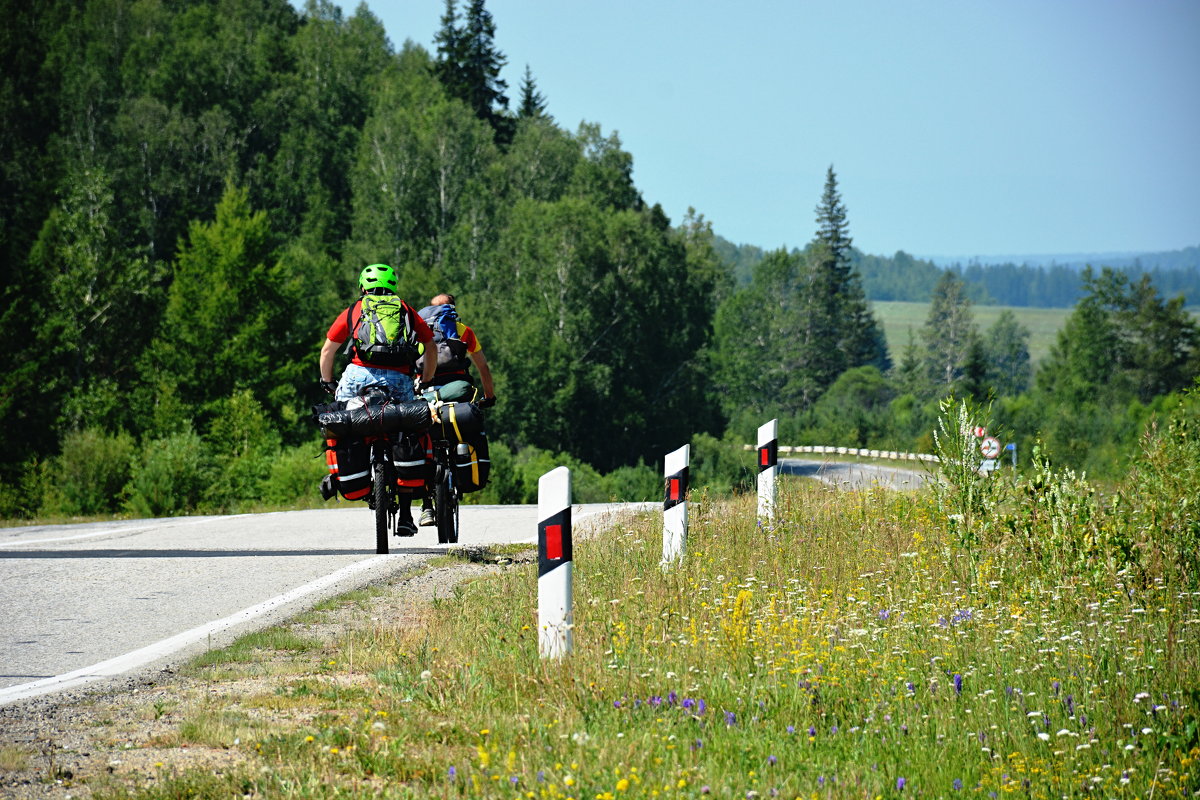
(956, 127)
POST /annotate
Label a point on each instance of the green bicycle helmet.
(379, 276)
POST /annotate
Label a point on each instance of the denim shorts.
(357, 379)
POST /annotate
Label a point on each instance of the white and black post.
(555, 618)
(768, 459)
(675, 513)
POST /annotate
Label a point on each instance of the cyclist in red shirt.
(376, 279)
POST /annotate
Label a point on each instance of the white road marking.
(150, 653)
(111, 531)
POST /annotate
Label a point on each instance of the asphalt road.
(855, 475)
(80, 603)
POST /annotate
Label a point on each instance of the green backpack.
(384, 336)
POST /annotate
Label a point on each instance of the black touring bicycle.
(388, 452)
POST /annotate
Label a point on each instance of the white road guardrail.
(858, 452)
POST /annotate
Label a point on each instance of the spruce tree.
(469, 66)
(533, 102)
(450, 54)
(840, 331)
(950, 335)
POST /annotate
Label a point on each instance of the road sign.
(980, 431)
(990, 447)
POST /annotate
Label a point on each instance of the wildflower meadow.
(1022, 636)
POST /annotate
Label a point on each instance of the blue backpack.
(451, 350)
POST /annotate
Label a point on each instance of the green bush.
(634, 484)
(21, 489)
(171, 476)
(722, 465)
(1161, 499)
(244, 446)
(90, 474)
(293, 475)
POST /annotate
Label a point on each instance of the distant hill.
(1186, 259)
(1030, 282)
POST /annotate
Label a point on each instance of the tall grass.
(861, 646)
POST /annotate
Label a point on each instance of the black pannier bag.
(459, 422)
(361, 417)
(413, 458)
(472, 463)
(353, 468)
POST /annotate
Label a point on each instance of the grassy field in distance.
(899, 317)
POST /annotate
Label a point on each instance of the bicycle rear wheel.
(446, 504)
(382, 510)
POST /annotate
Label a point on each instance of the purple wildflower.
(655, 701)
(452, 772)
(541, 776)
(688, 702)
(911, 689)
(958, 784)
(884, 613)
(812, 731)
(616, 703)
(1070, 705)
(1056, 686)
(957, 683)
(771, 760)
(704, 789)
(514, 780)
(696, 745)
(701, 707)
(672, 697)
(730, 718)
(833, 729)
(791, 728)
(821, 781)
(900, 784)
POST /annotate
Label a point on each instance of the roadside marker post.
(768, 470)
(675, 512)
(555, 616)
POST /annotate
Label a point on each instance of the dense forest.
(190, 189)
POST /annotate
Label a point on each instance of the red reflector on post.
(674, 490)
(554, 543)
(764, 457)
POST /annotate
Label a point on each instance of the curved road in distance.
(855, 475)
(81, 603)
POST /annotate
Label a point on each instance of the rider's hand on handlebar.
(330, 387)
(487, 402)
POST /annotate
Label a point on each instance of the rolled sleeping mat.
(452, 392)
(375, 419)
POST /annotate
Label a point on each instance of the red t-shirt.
(339, 332)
